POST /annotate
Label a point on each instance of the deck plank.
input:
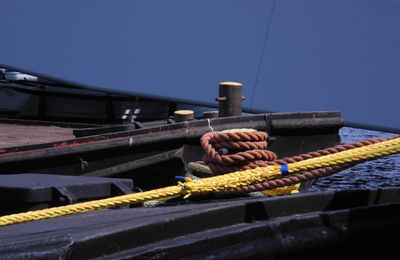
(18, 135)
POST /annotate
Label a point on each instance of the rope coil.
(248, 150)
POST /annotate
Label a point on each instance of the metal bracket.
(120, 188)
(64, 195)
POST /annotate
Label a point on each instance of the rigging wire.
(260, 62)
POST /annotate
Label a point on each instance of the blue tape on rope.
(180, 178)
(284, 169)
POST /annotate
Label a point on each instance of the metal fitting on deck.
(230, 99)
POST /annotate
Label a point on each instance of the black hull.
(324, 225)
(58, 102)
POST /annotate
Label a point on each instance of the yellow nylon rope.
(212, 184)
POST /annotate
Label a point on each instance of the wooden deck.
(17, 135)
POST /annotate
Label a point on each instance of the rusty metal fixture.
(230, 99)
(183, 115)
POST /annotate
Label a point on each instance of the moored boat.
(304, 225)
(145, 185)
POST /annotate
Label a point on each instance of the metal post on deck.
(183, 115)
(210, 114)
(230, 99)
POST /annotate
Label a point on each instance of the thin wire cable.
(260, 63)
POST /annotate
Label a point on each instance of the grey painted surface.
(290, 55)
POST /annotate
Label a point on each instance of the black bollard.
(230, 99)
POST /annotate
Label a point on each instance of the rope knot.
(185, 190)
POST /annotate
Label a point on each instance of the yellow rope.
(212, 184)
(284, 190)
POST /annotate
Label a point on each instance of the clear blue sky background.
(290, 55)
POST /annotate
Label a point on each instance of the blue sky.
(290, 55)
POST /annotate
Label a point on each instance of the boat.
(107, 161)
(46, 100)
(117, 182)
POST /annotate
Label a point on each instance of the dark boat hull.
(304, 226)
(58, 102)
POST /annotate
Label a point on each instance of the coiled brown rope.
(248, 150)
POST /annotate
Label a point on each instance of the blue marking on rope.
(284, 169)
(180, 178)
